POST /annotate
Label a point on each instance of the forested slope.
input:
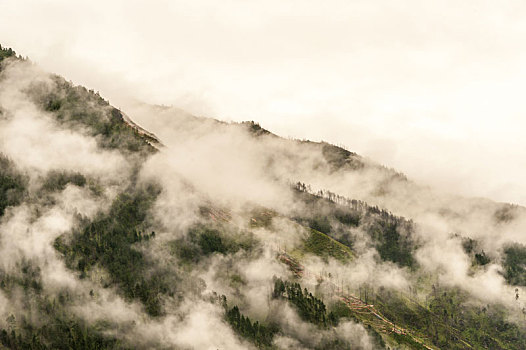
(231, 237)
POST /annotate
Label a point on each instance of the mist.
(181, 238)
(429, 89)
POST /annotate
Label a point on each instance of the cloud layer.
(431, 89)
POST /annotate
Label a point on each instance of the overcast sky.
(432, 88)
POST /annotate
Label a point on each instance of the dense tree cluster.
(393, 241)
(108, 241)
(6, 52)
(257, 333)
(59, 334)
(58, 180)
(478, 256)
(206, 239)
(515, 264)
(309, 307)
(12, 184)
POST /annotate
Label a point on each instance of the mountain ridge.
(225, 235)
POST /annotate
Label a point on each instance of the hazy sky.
(431, 88)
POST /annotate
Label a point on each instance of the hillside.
(151, 228)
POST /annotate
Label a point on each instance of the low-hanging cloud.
(412, 85)
(225, 168)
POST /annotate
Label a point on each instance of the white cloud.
(432, 89)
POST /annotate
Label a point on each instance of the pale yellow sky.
(431, 88)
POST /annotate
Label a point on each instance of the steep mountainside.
(215, 235)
